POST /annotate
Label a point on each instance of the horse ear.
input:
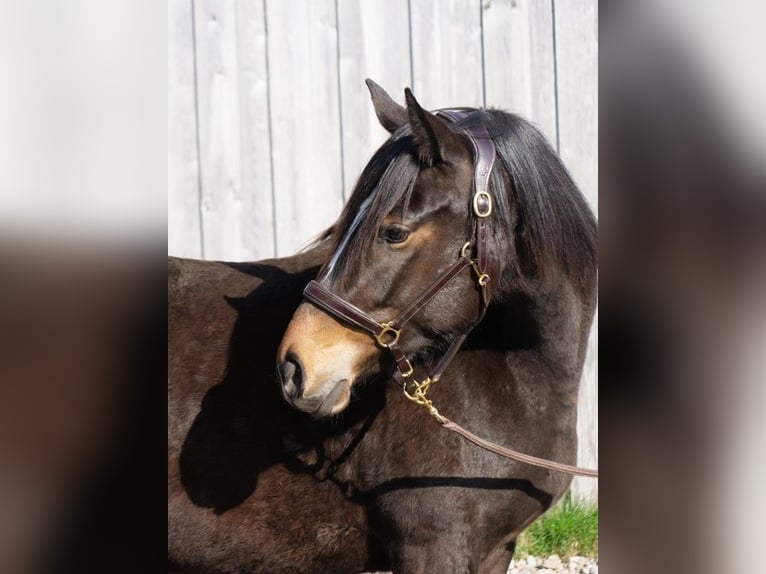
(435, 141)
(392, 116)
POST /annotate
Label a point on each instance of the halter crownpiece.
(484, 158)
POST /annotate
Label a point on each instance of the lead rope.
(516, 455)
(417, 391)
(417, 394)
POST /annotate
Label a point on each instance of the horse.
(317, 463)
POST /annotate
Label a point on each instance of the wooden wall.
(270, 122)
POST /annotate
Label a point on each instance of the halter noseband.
(387, 334)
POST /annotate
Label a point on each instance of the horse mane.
(555, 227)
(544, 211)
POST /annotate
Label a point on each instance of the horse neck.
(551, 320)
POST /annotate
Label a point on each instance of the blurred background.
(270, 123)
(83, 188)
(682, 286)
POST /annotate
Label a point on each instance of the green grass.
(568, 529)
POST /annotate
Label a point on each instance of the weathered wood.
(446, 53)
(236, 184)
(587, 420)
(519, 61)
(374, 43)
(305, 119)
(577, 71)
(258, 235)
(184, 237)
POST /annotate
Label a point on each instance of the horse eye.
(395, 234)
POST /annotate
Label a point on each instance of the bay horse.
(347, 474)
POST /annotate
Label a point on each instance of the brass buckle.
(476, 209)
(387, 330)
(481, 278)
(410, 370)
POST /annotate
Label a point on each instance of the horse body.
(261, 479)
(252, 485)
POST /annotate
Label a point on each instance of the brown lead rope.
(515, 455)
(417, 391)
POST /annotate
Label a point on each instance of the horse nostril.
(292, 376)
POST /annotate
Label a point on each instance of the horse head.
(433, 231)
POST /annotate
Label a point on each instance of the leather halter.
(387, 333)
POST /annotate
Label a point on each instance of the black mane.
(549, 219)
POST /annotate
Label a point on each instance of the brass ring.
(387, 329)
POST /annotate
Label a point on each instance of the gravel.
(553, 564)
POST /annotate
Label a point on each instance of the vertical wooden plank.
(587, 420)
(231, 87)
(255, 134)
(519, 60)
(373, 43)
(305, 119)
(183, 166)
(576, 29)
(446, 53)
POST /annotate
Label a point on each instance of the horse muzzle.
(319, 360)
(328, 399)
